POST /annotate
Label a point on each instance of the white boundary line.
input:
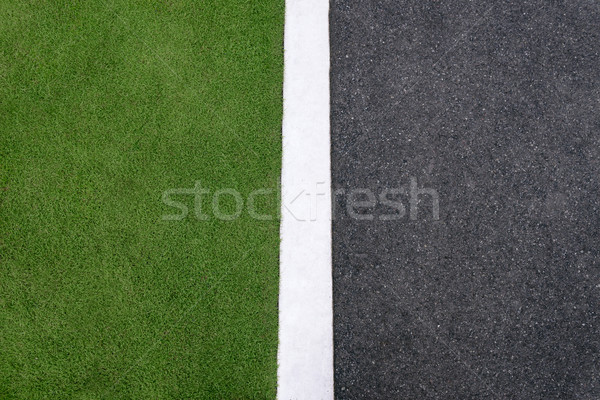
(305, 354)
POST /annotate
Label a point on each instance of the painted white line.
(305, 354)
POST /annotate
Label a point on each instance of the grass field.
(103, 107)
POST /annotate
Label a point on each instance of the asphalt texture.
(493, 109)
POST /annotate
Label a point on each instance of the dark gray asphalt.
(496, 107)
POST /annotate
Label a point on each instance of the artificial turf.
(103, 107)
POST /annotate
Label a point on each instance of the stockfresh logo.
(405, 202)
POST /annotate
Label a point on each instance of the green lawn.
(103, 107)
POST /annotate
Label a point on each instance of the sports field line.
(305, 356)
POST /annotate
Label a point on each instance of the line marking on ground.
(305, 356)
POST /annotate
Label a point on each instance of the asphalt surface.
(494, 107)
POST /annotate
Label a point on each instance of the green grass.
(103, 107)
